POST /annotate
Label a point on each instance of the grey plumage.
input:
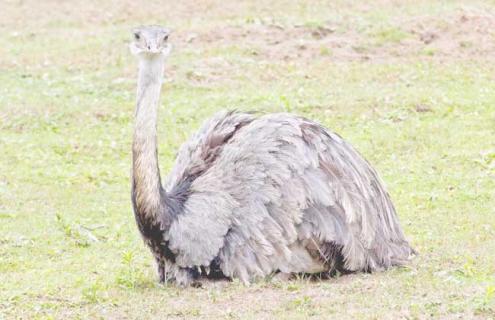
(250, 195)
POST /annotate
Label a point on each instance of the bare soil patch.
(460, 35)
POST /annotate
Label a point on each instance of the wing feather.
(270, 191)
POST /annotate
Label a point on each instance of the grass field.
(410, 83)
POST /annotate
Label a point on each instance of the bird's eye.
(165, 38)
(137, 36)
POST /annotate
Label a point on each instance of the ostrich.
(255, 195)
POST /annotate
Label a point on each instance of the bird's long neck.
(146, 181)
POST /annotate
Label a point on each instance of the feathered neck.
(148, 195)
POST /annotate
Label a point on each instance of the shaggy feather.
(280, 193)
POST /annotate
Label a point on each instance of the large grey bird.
(255, 195)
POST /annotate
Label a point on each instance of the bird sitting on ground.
(254, 195)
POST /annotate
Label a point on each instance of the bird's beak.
(153, 48)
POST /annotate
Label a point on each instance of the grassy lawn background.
(409, 83)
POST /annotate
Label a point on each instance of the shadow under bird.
(255, 195)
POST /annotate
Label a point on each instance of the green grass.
(425, 118)
(388, 35)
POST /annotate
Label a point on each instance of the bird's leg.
(185, 277)
(160, 264)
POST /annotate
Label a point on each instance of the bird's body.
(251, 195)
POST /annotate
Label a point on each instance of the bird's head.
(149, 42)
